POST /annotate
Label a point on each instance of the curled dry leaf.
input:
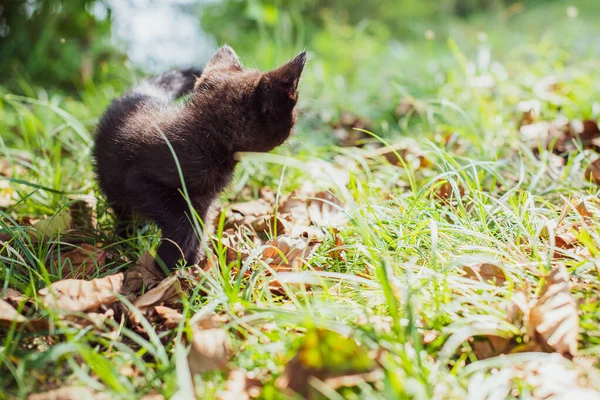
(253, 208)
(286, 250)
(79, 295)
(82, 262)
(244, 214)
(234, 246)
(13, 297)
(210, 346)
(561, 135)
(240, 386)
(169, 316)
(9, 315)
(66, 393)
(307, 212)
(485, 272)
(553, 321)
(167, 292)
(592, 173)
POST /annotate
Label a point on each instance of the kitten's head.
(254, 109)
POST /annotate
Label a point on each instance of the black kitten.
(228, 109)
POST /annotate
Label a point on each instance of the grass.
(399, 288)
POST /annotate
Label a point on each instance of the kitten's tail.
(169, 85)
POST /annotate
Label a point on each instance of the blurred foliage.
(53, 42)
(239, 20)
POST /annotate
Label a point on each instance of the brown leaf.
(485, 272)
(323, 211)
(254, 208)
(287, 250)
(349, 131)
(553, 320)
(338, 253)
(445, 190)
(210, 346)
(167, 292)
(151, 272)
(169, 316)
(14, 297)
(492, 346)
(80, 295)
(82, 262)
(65, 393)
(240, 386)
(592, 173)
(8, 315)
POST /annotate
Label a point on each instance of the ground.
(430, 231)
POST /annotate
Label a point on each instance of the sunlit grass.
(404, 246)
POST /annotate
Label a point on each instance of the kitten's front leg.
(179, 241)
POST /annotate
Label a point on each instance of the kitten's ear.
(225, 59)
(287, 76)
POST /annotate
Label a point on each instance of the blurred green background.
(365, 56)
(66, 43)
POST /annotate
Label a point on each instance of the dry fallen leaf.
(349, 130)
(288, 251)
(240, 386)
(324, 210)
(152, 274)
(592, 173)
(167, 292)
(65, 393)
(254, 208)
(82, 262)
(492, 346)
(169, 316)
(14, 297)
(210, 346)
(8, 315)
(554, 320)
(79, 295)
(485, 272)
(444, 190)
